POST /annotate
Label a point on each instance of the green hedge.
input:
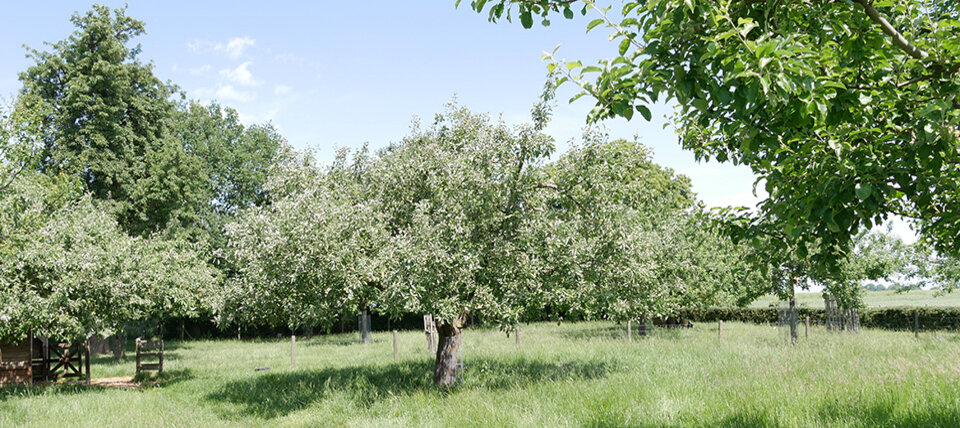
(886, 318)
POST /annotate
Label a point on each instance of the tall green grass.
(583, 374)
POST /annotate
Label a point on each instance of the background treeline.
(896, 318)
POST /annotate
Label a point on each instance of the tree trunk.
(118, 345)
(448, 347)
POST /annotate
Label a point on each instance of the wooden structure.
(837, 319)
(430, 328)
(149, 349)
(16, 362)
(39, 360)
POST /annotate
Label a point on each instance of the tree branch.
(888, 29)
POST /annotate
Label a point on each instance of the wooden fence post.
(629, 330)
(394, 345)
(720, 329)
(806, 328)
(793, 321)
(293, 350)
(86, 360)
(516, 334)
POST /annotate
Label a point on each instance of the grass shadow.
(273, 395)
(888, 414)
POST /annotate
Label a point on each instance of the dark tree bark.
(448, 347)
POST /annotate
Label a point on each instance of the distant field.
(876, 299)
(572, 375)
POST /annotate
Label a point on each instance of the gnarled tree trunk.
(448, 347)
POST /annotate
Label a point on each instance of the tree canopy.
(846, 111)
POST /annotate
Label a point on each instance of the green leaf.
(645, 112)
(526, 19)
(594, 23)
(863, 191)
(865, 98)
(574, 64)
(624, 45)
(567, 12)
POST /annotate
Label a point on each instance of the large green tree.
(847, 111)
(233, 162)
(102, 115)
(626, 238)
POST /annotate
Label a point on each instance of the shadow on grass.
(78, 387)
(829, 414)
(888, 414)
(278, 394)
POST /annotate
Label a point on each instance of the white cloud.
(282, 89)
(196, 45)
(229, 93)
(240, 75)
(237, 45)
(204, 69)
(233, 48)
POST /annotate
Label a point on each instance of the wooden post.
(806, 328)
(86, 359)
(29, 360)
(516, 334)
(916, 323)
(394, 345)
(793, 320)
(720, 329)
(428, 328)
(138, 356)
(629, 330)
(293, 350)
(160, 369)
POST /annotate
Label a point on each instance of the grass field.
(583, 374)
(876, 299)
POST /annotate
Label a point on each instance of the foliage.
(309, 256)
(847, 112)
(460, 200)
(624, 237)
(233, 163)
(101, 115)
(69, 271)
(932, 269)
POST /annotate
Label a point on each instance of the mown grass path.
(583, 374)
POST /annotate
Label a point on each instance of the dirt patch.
(115, 382)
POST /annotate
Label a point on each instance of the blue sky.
(334, 74)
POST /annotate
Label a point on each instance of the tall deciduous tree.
(233, 163)
(460, 200)
(102, 115)
(626, 238)
(848, 110)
